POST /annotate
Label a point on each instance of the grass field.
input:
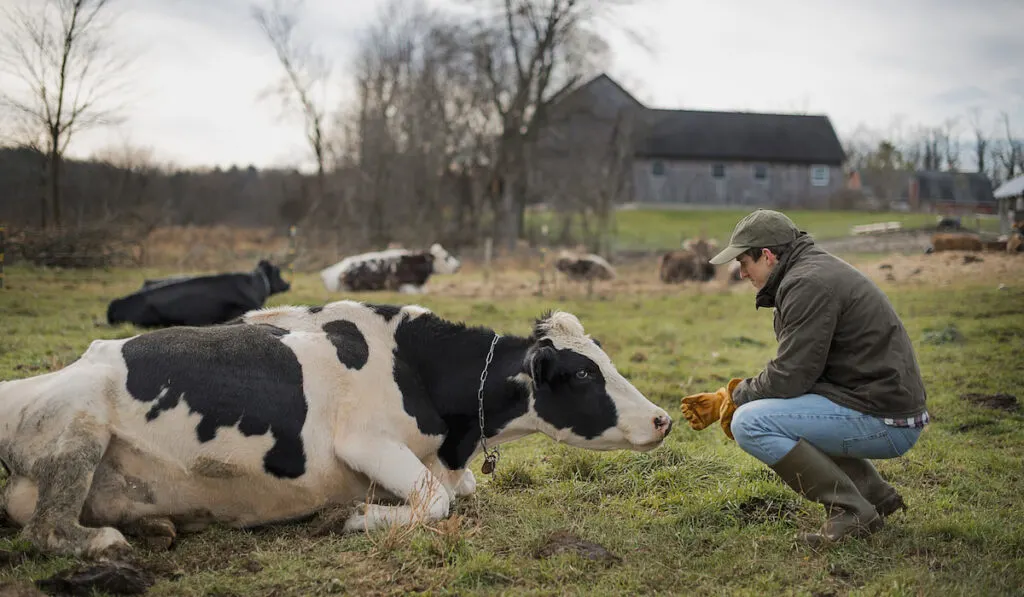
(694, 517)
(666, 228)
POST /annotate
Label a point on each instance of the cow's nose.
(663, 424)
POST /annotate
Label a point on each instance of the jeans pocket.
(875, 445)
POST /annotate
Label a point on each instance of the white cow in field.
(292, 410)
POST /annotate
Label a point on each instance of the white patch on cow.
(636, 413)
(414, 311)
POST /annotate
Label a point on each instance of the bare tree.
(305, 79)
(1011, 150)
(949, 141)
(533, 52)
(981, 142)
(60, 54)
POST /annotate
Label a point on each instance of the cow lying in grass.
(198, 300)
(400, 270)
(292, 410)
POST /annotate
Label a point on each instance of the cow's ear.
(540, 363)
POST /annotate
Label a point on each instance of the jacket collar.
(766, 296)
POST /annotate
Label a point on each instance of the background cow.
(690, 263)
(394, 269)
(292, 410)
(951, 241)
(584, 267)
(198, 300)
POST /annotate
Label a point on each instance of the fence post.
(291, 252)
(3, 238)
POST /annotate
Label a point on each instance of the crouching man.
(844, 387)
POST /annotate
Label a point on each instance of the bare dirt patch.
(565, 542)
(1007, 402)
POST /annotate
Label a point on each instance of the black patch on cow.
(349, 342)
(230, 375)
(570, 392)
(437, 368)
(316, 309)
(388, 312)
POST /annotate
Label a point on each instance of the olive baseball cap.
(762, 228)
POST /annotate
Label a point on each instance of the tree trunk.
(44, 194)
(55, 184)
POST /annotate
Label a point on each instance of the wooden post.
(3, 238)
(488, 245)
(291, 252)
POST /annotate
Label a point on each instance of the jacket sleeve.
(808, 310)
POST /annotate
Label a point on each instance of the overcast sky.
(201, 65)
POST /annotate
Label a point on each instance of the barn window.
(658, 168)
(760, 172)
(819, 176)
(718, 170)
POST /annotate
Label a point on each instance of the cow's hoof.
(355, 524)
(158, 534)
(107, 543)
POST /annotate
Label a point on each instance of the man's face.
(757, 271)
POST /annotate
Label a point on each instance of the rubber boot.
(812, 474)
(871, 485)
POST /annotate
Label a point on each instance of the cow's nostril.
(663, 421)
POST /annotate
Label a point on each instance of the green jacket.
(839, 337)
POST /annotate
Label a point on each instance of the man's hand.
(704, 409)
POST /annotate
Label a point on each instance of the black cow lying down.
(199, 300)
(293, 410)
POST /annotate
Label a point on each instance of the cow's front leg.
(394, 467)
(459, 482)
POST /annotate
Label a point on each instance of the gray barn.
(700, 157)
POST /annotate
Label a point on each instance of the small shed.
(1011, 203)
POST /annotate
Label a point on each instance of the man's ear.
(540, 363)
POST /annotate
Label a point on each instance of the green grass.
(666, 228)
(694, 517)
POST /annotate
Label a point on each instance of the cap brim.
(727, 255)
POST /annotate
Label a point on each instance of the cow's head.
(273, 274)
(444, 262)
(579, 395)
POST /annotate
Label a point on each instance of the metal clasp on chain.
(490, 456)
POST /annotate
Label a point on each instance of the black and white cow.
(291, 410)
(403, 270)
(198, 300)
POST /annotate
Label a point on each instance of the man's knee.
(744, 424)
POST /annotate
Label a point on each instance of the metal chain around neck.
(490, 456)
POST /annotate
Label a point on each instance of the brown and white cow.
(402, 270)
(292, 410)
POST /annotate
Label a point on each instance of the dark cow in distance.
(689, 263)
(402, 270)
(293, 410)
(584, 267)
(198, 300)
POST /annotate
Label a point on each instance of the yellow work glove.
(704, 409)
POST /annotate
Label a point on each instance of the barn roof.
(741, 136)
(710, 135)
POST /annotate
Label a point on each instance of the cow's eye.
(582, 374)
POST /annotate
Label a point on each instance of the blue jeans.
(768, 429)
